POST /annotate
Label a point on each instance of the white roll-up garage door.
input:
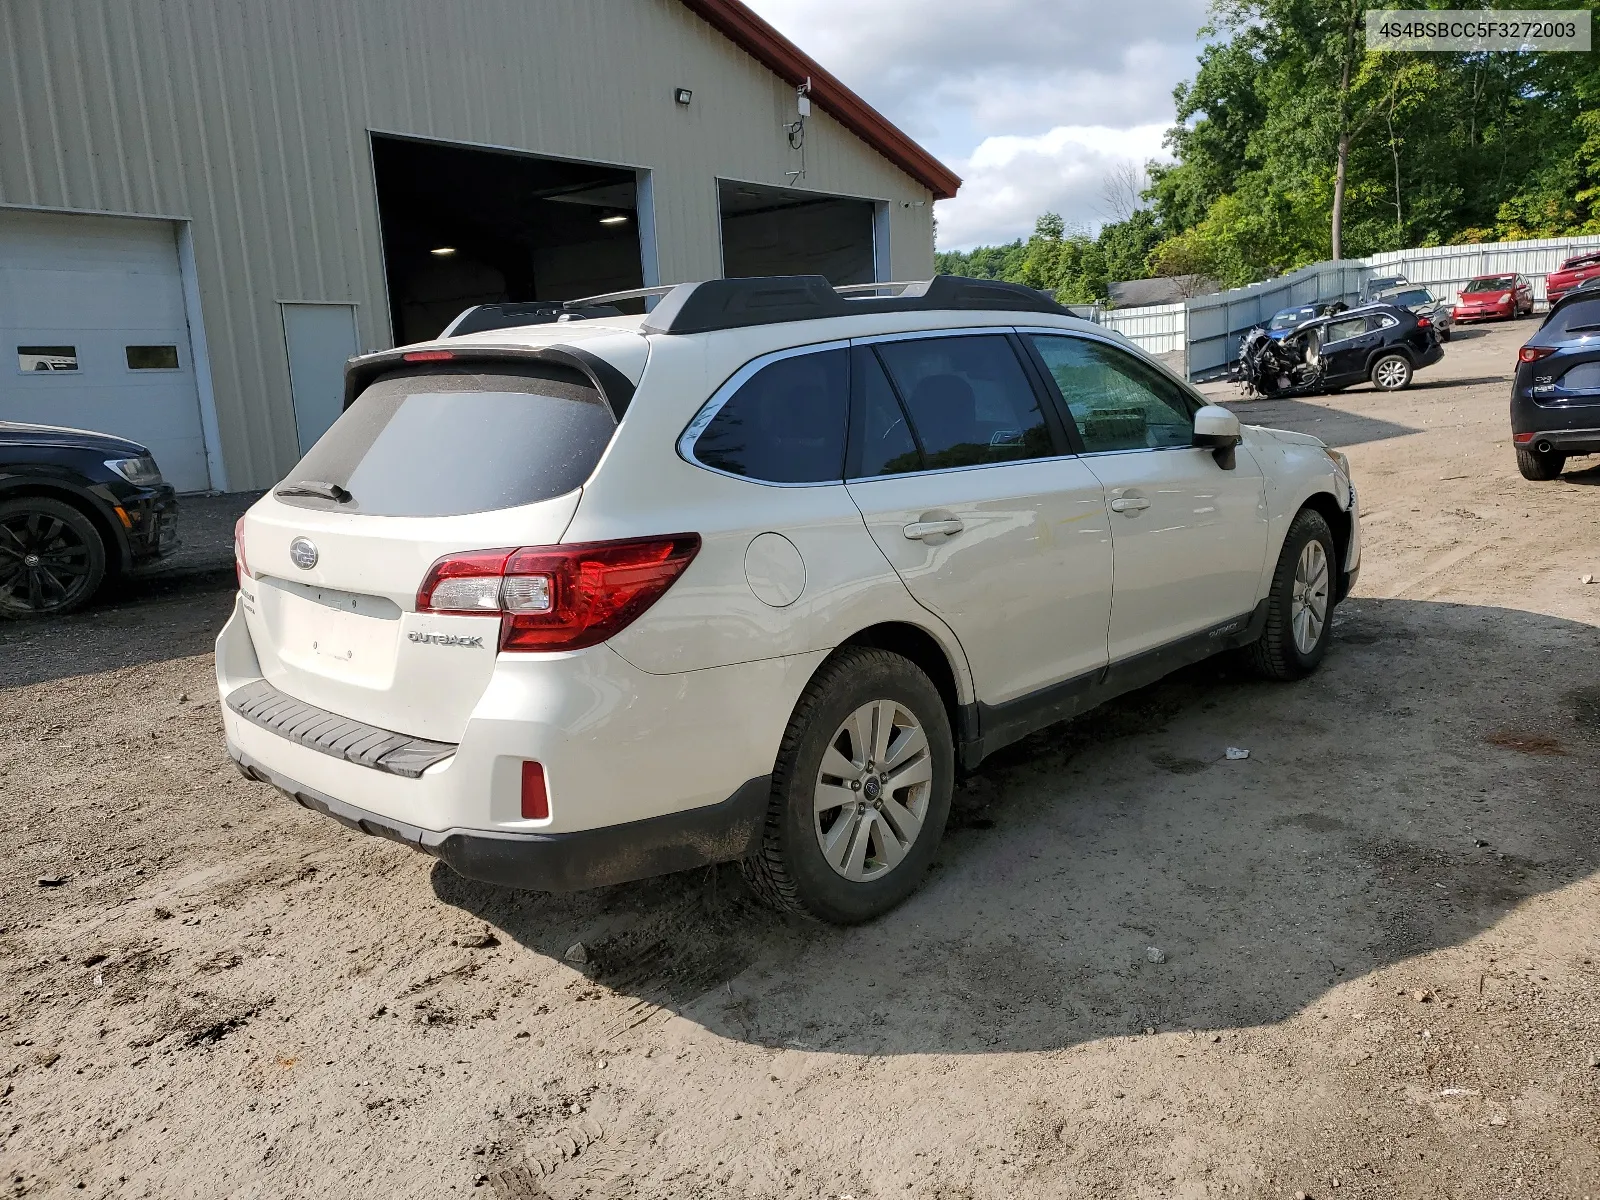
(93, 334)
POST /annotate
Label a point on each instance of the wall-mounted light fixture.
(682, 96)
(614, 218)
(442, 251)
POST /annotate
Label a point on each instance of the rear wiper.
(312, 487)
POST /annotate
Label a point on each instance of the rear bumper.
(1563, 441)
(646, 773)
(558, 862)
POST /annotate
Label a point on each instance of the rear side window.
(969, 401)
(785, 424)
(451, 442)
(1118, 402)
(1580, 318)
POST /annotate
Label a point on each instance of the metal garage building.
(207, 205)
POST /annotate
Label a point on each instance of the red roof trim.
(746, 30)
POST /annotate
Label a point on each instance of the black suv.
(75, 507)
(1555, 395)
(1380, 342)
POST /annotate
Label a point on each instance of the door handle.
(918, 530)
(1129, 504)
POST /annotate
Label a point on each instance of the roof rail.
(630, 294)
(509, 314)
(768, 300)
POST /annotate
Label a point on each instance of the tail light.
(422, 356)
(241, 569)
(1534, 353)
(558, 597)
(1424, 323)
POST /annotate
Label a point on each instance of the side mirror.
(1217, 429)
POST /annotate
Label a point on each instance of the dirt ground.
(1380, 933)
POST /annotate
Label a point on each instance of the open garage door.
(464, 226)
(781, 231)
(94, 334)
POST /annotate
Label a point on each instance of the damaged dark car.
(1381, 343)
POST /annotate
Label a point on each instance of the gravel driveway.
(1378, 940)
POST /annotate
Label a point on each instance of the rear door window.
(969, 400)
(785, 424)
(459, 441)
(1118, 402)
(881, 442)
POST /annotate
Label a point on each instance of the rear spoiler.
(614, 387)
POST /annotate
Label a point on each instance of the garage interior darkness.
(464, 226)
(777, 231)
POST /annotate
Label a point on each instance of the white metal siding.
(1445, 269)
(250, 119)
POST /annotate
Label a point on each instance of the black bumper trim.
(1567, 441)
(338, 737)
(560, 862)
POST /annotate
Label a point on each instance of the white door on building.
(319, 338)
(94, 335)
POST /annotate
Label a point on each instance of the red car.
(1493, 296)
(1573, 272)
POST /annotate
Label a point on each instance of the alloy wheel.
(1310, 603)
(872, 790)
(45, 564)
(1391, 374)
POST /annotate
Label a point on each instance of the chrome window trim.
(708, 411)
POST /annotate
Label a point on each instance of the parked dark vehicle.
(75, 508)
(1570, 274)
(1379, 284)
(1286, 320)
(1555, 395)
(1378, 342)
(1423, 303)
(1494, 297)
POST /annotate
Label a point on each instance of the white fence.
(1217, 322)
(1201, 335)
(1443, 269)
(1158, 328)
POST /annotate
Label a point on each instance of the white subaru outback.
(750, 577)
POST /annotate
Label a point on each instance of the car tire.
(1391, 373)
(52, 559)
(1300, 604)
(847, 873)
(1541, 468)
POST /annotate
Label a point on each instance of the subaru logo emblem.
(303, 553)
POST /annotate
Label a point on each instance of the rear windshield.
(1290, 317)
(1414, 296)
(1500, 283)
(458, 441)
(1579, 318)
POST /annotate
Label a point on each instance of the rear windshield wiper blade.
(313, 487)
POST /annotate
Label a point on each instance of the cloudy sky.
(1031, 102)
